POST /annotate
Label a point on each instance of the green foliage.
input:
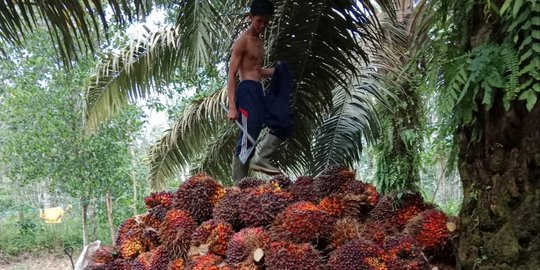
(478, 77)
(68, 22)
(509, 65)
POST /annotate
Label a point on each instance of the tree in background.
(43, 139)
(486, 64)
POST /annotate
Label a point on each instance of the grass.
(34, 236)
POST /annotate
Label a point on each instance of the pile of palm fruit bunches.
(329, 222)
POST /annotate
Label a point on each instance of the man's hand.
(233, 114)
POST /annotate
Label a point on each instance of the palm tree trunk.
(500, 217)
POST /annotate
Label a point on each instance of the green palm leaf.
(133, 73)
(201, 122)
(339, 138)
(73, 24)
(147, 62)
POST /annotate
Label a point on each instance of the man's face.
(259, 23)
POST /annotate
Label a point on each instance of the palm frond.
(352, 120)
(215, 159)
(121, 76)
(73, 24)
(199, 38)
(322, 42)
(206, 27)
(200, 122)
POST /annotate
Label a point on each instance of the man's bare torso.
(250, 66)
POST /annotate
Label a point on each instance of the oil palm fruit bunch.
(250, 182)
(332, 179)
(343, 205)
(358, 255)
(260, 205)
(244, 248)
(304, 190)
(431, 229)
(332, 221)
(198, 196)
(285, 255)
(345, 230)
(159, 258)
(205, 262)
(163, 198)
(302, 222)
(104, 255)
(212, 236)
(228, 210)
(175, 232)
(176, 264)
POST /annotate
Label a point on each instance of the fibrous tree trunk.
(500, 215)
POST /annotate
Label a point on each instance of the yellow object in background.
(53, 215)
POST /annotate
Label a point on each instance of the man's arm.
(236, 58)
(267, 72)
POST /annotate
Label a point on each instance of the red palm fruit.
(372, 194)
(175, 232)
(358, 254)
(431, 229)
(345, 230)
(198, 196)
(177, 264)
(214, 235)
(410, 205)
(332, 179)
(117, 264)
(163, 198)
(343, 205)
(243, 244)
(304, 190)
(250, 182)
(125, 228)
(205, 262)
(377, 230)
(158, 212)
(104, 255)
(383, 211)
(227, 209)
(403, 252)
(159, 258)
(259, 206)
(151, 221)
(132, 246)
(354, 187)
(302, 222)
(151, 237)
(282, 181)
(366, 190)
(144, 259)
(285, 255)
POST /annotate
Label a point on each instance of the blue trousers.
(257, 108)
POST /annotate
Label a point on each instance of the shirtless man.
(247, 102)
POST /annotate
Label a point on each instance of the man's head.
(260, 13)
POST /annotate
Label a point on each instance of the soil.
(56, 260)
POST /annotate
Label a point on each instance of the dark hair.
(261, 8)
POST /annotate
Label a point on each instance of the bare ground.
(57, 260)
